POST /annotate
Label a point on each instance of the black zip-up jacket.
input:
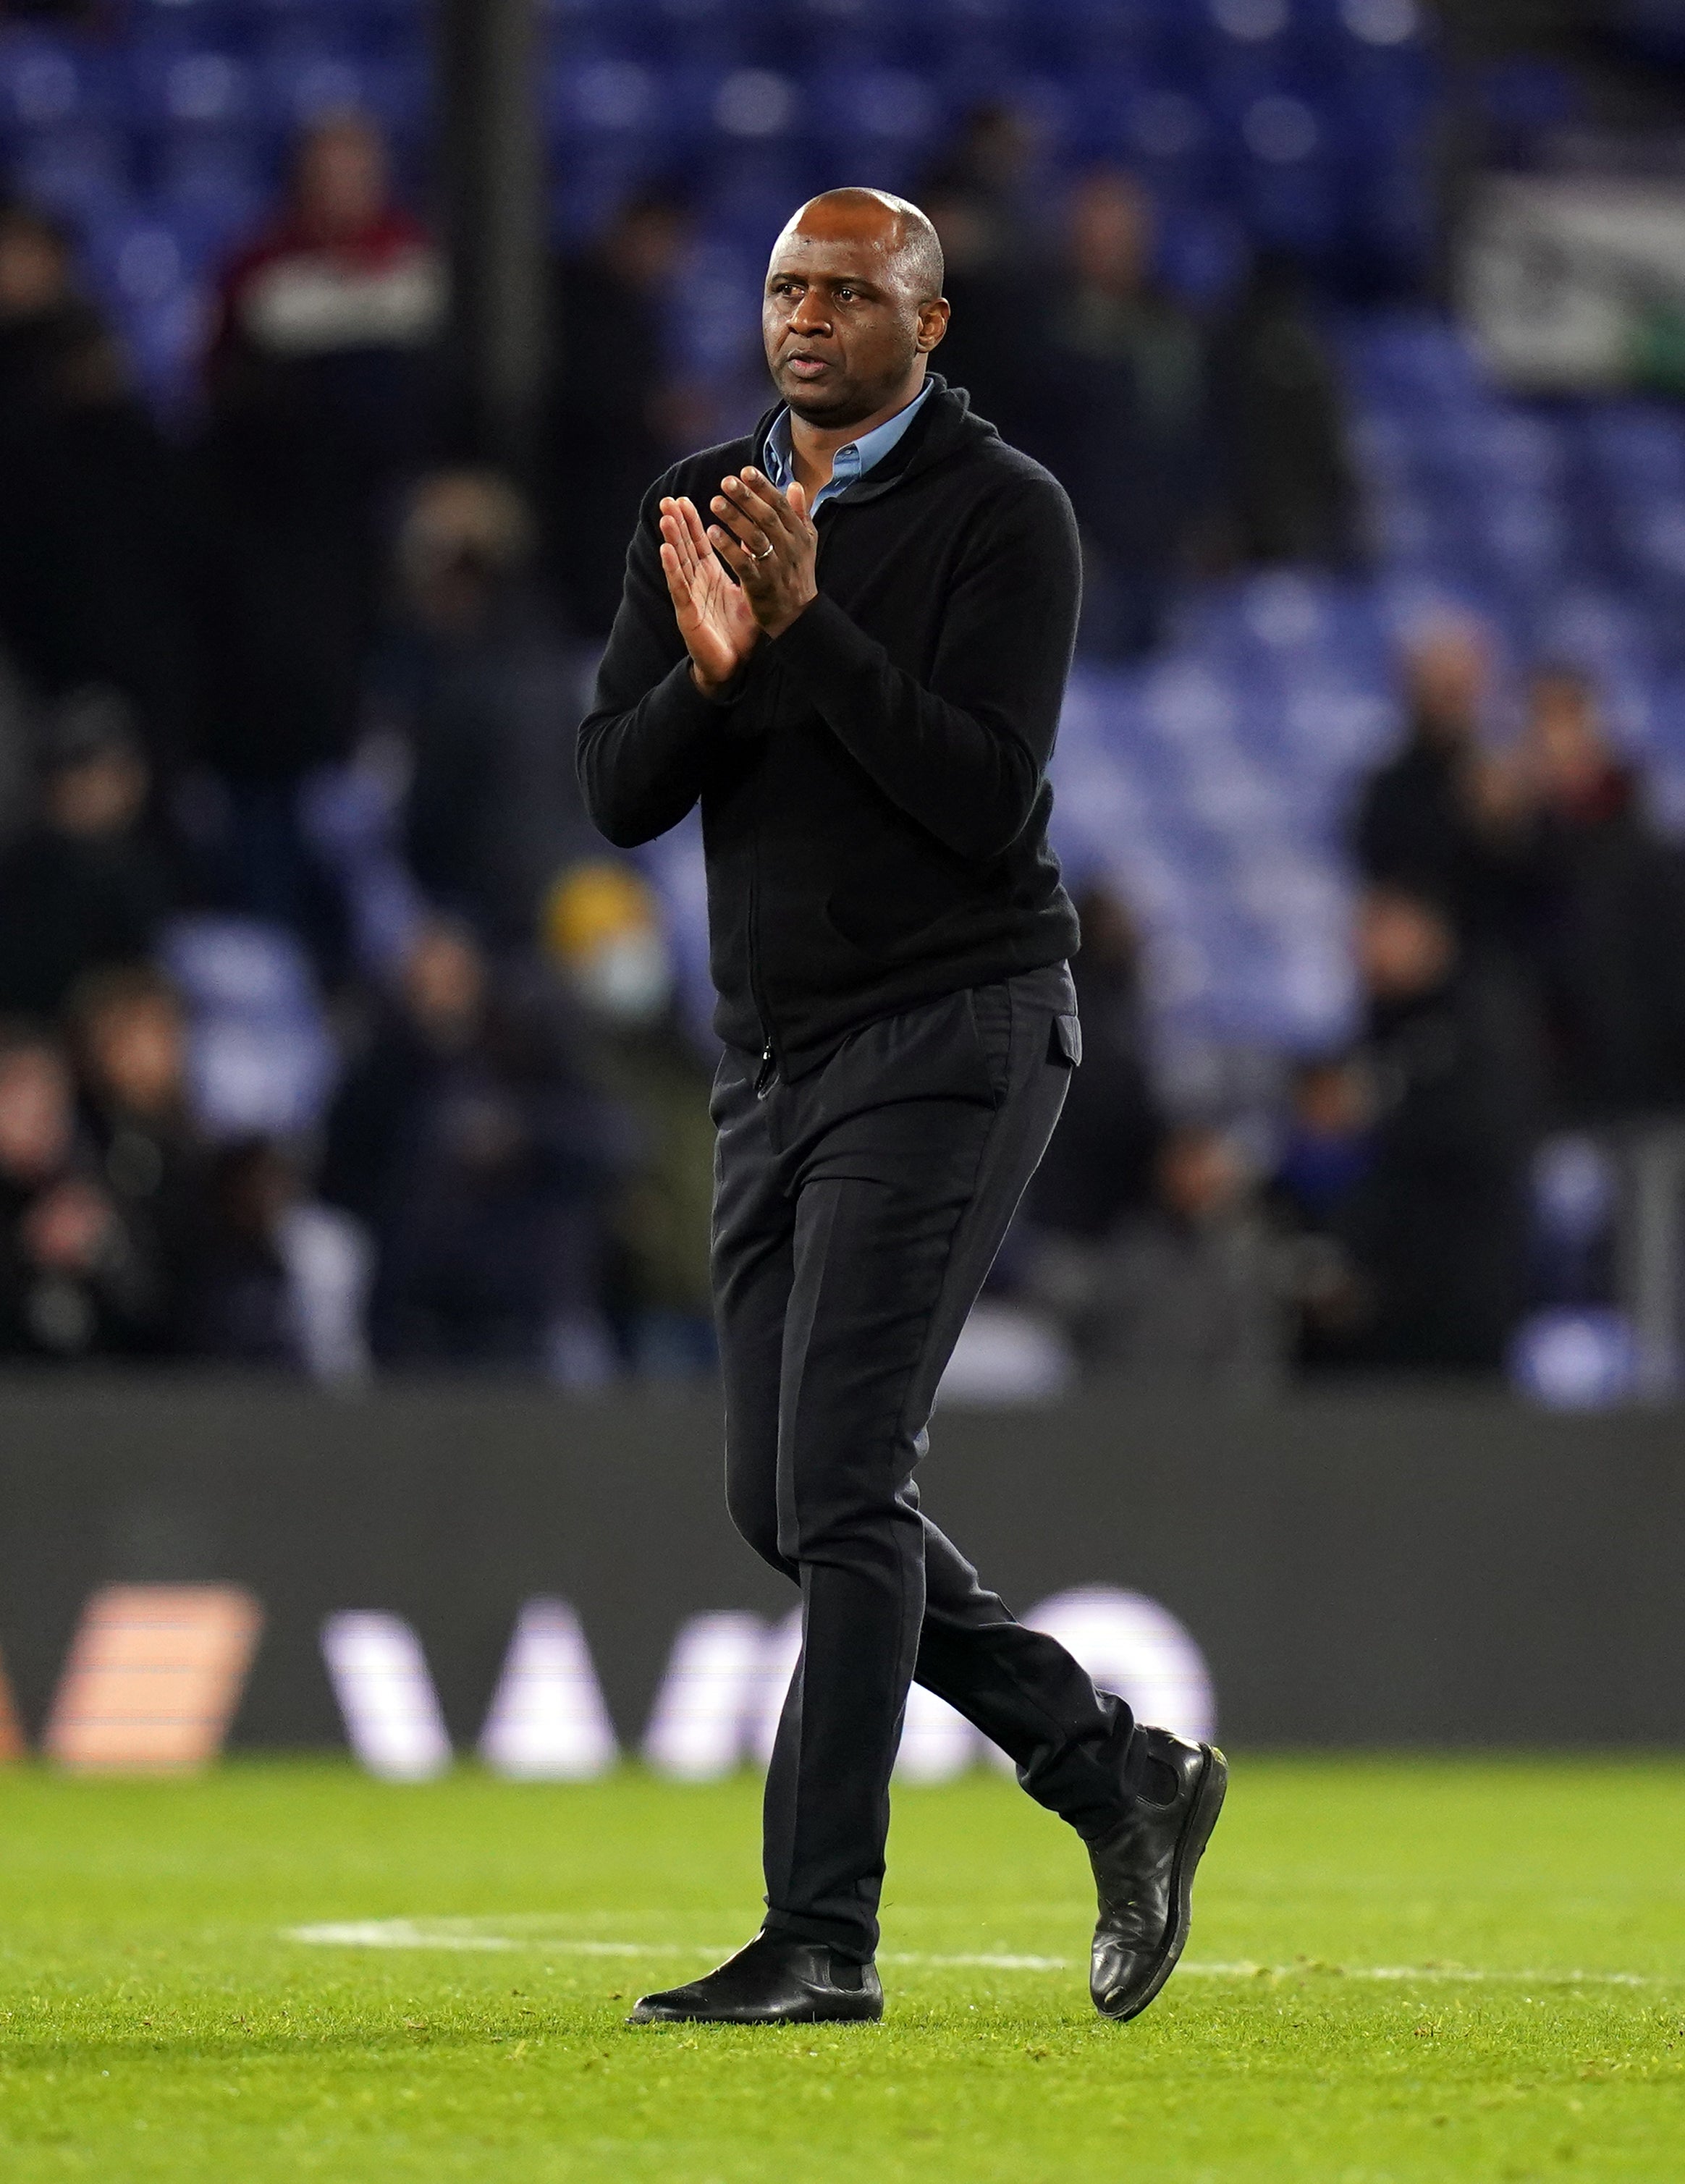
(874, 788)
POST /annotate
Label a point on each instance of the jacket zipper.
(767, 1076)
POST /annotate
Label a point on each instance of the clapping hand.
(715, 619)
(768, 541)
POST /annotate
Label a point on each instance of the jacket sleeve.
(642, 748)
(964, 754)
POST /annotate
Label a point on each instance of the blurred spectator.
(17, 752)
(129, 1035)
(1288, 484)
(468, 1141)
(48, 331)
(1326, 1156)
(281, 1281)
(1098, 1169)
(1611, 932)
(72, 1284)
(85, 886)
(1435, 1227)
(1185, 1293)
(99, 540)
(1122, 415)
(614, 416)
(321, 382)
(603, 924)
(1426, 820)
(477, 682)
(978, 196)
(991, 348)
(990, 167)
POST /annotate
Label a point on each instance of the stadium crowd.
(304, 666)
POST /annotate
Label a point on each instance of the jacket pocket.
(1065, 1041)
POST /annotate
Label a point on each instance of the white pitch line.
(408, 1934)
(404, 1934)
(1462, 1972)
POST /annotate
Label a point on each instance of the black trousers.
(855, 1214)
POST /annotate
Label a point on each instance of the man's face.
(1111, 234)
(35, 1115)
(135, 1049)
(35, 271)
(844, 326)
(100, 795)
(1404, 948)
(342, 182)
(1447, 671)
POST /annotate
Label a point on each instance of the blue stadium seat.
(212, 186)
(83, 173)
(593, 102)
(259, 1056)
(48, 82)
(872, 122)
(191, 86)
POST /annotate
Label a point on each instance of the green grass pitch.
(161, 2019)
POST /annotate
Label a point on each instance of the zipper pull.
(767, 1073)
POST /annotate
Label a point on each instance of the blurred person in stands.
(19, 726)
(474, 679)
(1122, 415)
(1185, 1292)
(978, 196)
(321, 382)
(995, 332)
(1326, 1154)
(469, 1142)
(603, 924)
(281, 1281)
(128, 1034)
(1435, 1227)
(614, 415)
(1437, 818)
(1098, 1169)
(100, 542)
(1287, 485)
(990, 165)
(86, 886)
(73, 1284)
(1610, 936)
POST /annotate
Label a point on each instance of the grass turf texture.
(158, 2024)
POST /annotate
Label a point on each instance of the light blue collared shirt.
(849, 462)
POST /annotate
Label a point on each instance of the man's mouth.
(802, 364)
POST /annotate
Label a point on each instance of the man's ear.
(933, 323)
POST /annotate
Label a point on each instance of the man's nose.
(809, 316)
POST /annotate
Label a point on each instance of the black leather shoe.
(774, 1981)
(1144, 1871)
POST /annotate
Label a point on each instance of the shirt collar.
(851, 461)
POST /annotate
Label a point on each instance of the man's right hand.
(715, 619)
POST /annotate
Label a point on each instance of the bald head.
(897, 232)
(853, 306)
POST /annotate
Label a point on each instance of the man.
(1432, 819)
(322, 375)
(889, 941)
(1436, 1227)
(612, 407)
(1122, 413)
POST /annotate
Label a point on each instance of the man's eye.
(847, 295)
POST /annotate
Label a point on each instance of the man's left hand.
(767, 541)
